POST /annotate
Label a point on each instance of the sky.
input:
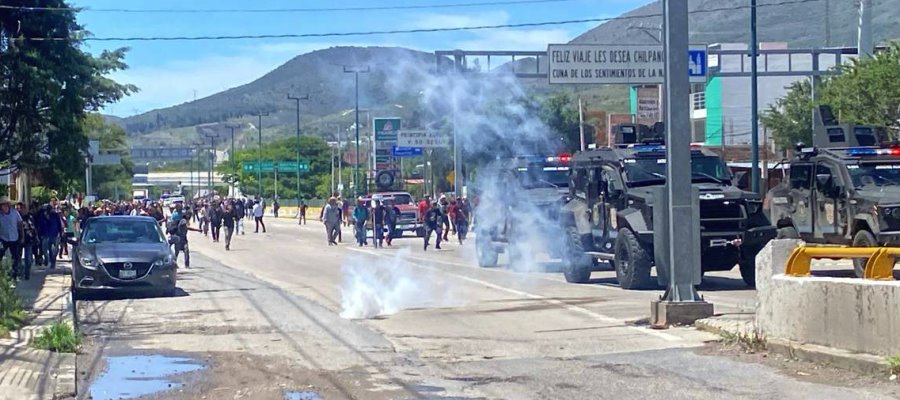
(173, 72)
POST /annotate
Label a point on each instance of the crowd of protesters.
(380, 216)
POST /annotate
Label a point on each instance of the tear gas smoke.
(389, 285)
(495, 118)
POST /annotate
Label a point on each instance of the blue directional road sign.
(406, 151)
(697, 67)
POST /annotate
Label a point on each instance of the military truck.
(528, 193)
(610, 214)
(845, 189)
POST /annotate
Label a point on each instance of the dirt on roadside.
(806, 371)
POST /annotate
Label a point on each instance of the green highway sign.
(283, 166)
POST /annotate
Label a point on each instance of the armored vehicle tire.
(748, 271)
(487, 254)
(579, 266)
(632, 262)
(862, 238)
(788, 232)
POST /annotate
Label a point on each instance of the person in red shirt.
(424, 205)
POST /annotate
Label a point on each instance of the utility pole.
(866, 49)
(297, 99)
(754, 102)
(356, 71)
(212, 163)
(340, 160)
(681, 258)
(259, 156)
(231, 156)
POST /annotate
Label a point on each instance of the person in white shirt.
(258, 216)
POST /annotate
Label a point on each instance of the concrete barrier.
(847, 313)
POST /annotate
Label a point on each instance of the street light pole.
(297, 99)
(356, 71)
(233, 162)
(212, 162)
(259, 155)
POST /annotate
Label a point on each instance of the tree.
(312, 149)
(110, 180)
(47, 86)
(790, 118)
(558, 113)
(866, 92)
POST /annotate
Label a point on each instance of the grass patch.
(894, 364)
(59, 337)
(11, 314)
(750, 342)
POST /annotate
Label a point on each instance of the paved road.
(266, 319)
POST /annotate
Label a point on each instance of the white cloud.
(515, 39)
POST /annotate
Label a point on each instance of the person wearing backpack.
(178, 227)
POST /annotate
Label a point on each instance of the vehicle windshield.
(648, 171)
(875, 174)
(122, 230)
(401, 199)
(535, 176)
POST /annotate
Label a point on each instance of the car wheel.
(632, 262)
(748, 271)
(579, 266)
(487, 254)
(788, 232)
(862, 238)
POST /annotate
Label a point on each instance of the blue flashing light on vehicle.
(869, 151)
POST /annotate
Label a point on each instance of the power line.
(404, 31)
(285, 10)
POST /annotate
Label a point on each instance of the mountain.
(319, 74)
(799, 23)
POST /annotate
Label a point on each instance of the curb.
(858, 362)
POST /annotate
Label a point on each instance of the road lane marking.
(556, 302)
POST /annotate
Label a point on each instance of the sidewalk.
(27, 373)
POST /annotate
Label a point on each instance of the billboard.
(385, 131)
(617, 64)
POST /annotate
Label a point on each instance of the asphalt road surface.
(284, 316)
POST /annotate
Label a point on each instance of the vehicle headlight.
(89, 262)
(753, 207)
(163, 261)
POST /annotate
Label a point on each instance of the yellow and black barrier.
(880, 264)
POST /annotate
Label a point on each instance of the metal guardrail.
(880, 263)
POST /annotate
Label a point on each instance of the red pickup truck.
(409, 212)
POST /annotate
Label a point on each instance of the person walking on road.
(215, 220)
(30, 241)
(433, 219)
(360, 216)
(238, 208)
(378, 219)
(301, 213)
(178, 228)
(331, 217)
(229, 218)
(445, 216)
(461, 220)
(50, 228)
(275, 207)
(11, 235)
(258, 215)
(391, 215)
(204, 219)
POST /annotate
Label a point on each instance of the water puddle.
(304, 395)
(134, 376)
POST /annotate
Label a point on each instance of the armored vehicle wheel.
(862, 238)
(632, 262)
(748, 271)
(788, 232)
(487, 254)
(578, 264)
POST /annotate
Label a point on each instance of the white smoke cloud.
(495, 118)
(378, 286)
